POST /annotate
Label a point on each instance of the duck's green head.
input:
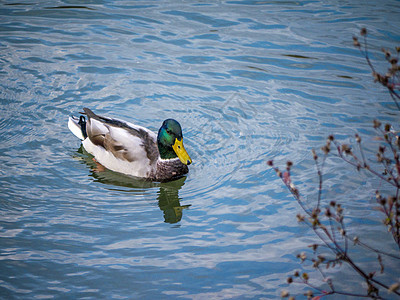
(170, 142)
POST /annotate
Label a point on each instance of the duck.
(131, 149)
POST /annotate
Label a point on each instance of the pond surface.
(249, 81)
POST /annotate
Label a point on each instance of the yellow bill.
(181, 152)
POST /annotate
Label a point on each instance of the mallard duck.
(131, 149)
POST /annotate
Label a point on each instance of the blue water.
(249, 81)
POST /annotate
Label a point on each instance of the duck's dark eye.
(168, 131)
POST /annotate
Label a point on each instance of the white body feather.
(75, 128)
(141, 167)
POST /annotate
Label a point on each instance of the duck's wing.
(126, 141)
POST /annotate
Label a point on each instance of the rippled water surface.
(249, 81)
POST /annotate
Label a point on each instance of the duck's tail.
(78, 126)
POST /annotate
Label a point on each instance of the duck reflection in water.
(168, 195)
(169, 201)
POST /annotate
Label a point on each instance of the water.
(248, 81)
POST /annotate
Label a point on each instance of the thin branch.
(366, 53)
(394, 95)
(340, 154)
(376, 250)
(319, 172)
